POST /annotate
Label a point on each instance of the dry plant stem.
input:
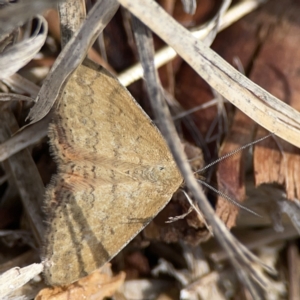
(189, 6)
(29, 136)
(72, 14)
(294, 275)
(14, 97)
(52, 18)
(30, 188)
(166, 54)
(22, 85)
(259, 105)
(20, 53)
(238, 11)
(72, 56)
(203, 106)
(238, 254)
(253, 239)
(27, 180)
(17, 277)
(17, 14)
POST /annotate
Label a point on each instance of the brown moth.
(115, 173)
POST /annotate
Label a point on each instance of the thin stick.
(166, 54)
(239, 255)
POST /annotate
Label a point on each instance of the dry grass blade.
(252, 239)
(241, 258)
(21, 85)
(71, 57)
(17, 277)
(205, 33)
(17, 14)
(71, 15)
(189, 6)
(29, 136)
(167, 53)
(293, 270)
(31, 188)
(238, 11)
(18, 55)
(14, 97)
(211, 29)
(259, 105)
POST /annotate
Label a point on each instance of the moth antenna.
(225, 196)
(234, 152)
